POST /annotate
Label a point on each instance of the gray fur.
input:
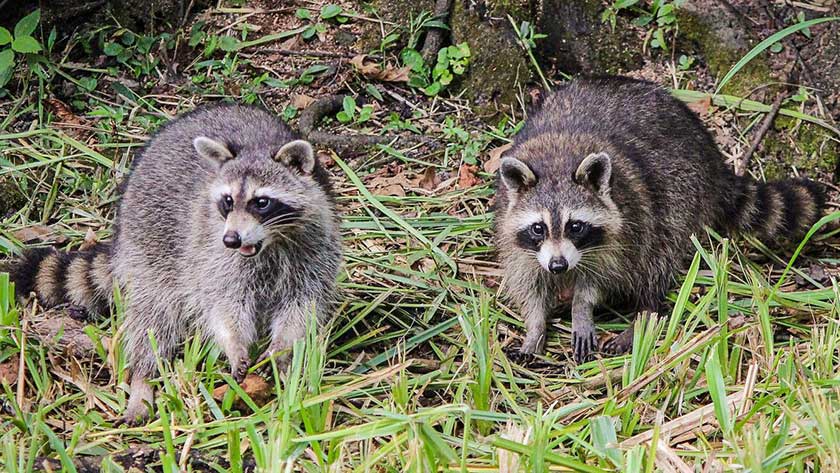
(639, 165)
(168, 256)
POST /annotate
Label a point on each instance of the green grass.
(413, 372)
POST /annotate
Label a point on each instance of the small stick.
(741, 165)
(434, 38)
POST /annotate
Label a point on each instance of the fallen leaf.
(36, 233)
(372, 70)
(429, 180)
(9, 370)
(254, 386)
(467, 176)
(291, 43)
(301, 101)
(701, 107)
(493, 162)
(90, 240)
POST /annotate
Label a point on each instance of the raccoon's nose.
(232, 240)
(558, 265)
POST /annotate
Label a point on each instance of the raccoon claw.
(620, 344)
(583, 345)
(532, 345)
(519, 357)
(133, 417)
(238, 373)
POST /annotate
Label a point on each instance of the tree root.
(331, 104)
(434, 38)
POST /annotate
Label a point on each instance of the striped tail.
(779, 211)
(80, 278)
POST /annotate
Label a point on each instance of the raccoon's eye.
(225, 205)
(262, 203)
(538, 229)
(577, 228)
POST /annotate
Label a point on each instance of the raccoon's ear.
(212, 150)
(297, 154)
(595, 171)
(516, 174)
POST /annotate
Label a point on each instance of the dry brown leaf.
(90, 240)
(467, 176)
(301, 101)
(64, 113)
(495, 158)
(372, 70)
(9, 370)
(37, 233)
(257, 388)
(701, 107)
(429, 180)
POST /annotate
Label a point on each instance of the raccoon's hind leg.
(584, 342)
(145, 318)
(623, 342)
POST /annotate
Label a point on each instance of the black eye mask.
(267, 209)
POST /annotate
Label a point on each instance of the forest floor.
(741, 371)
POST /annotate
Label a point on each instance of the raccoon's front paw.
(239, 370)
(134, 416)
(281, 358)
(533, 344)
(140, 398)
(583, 343)
(620, 344)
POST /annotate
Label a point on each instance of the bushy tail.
(780, 211)
(81, 278)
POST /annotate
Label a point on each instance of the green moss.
(11, 199)
(497, 62)
(400, 12)
(698, 37)
(811, 151)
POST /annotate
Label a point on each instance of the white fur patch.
(249, 229)
(548, 251)
(551, 249)
(528, 218)
(570, 252)
(219, 190)
(610, 219)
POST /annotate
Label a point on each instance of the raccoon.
(227, 225)
(600, 194)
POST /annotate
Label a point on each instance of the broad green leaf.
(228, 43)
(7, 60)
(26, 44)
(330, 11)
(113, 49)
(26, 26)
(303, 14)
(5, 36)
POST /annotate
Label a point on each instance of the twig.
(329, 54)
(741, 165)
(434, 38)
(331, 104)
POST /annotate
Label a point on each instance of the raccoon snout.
(558, 265)
(232, 240)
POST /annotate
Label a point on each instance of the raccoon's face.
(260, 198)
(563, 221)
